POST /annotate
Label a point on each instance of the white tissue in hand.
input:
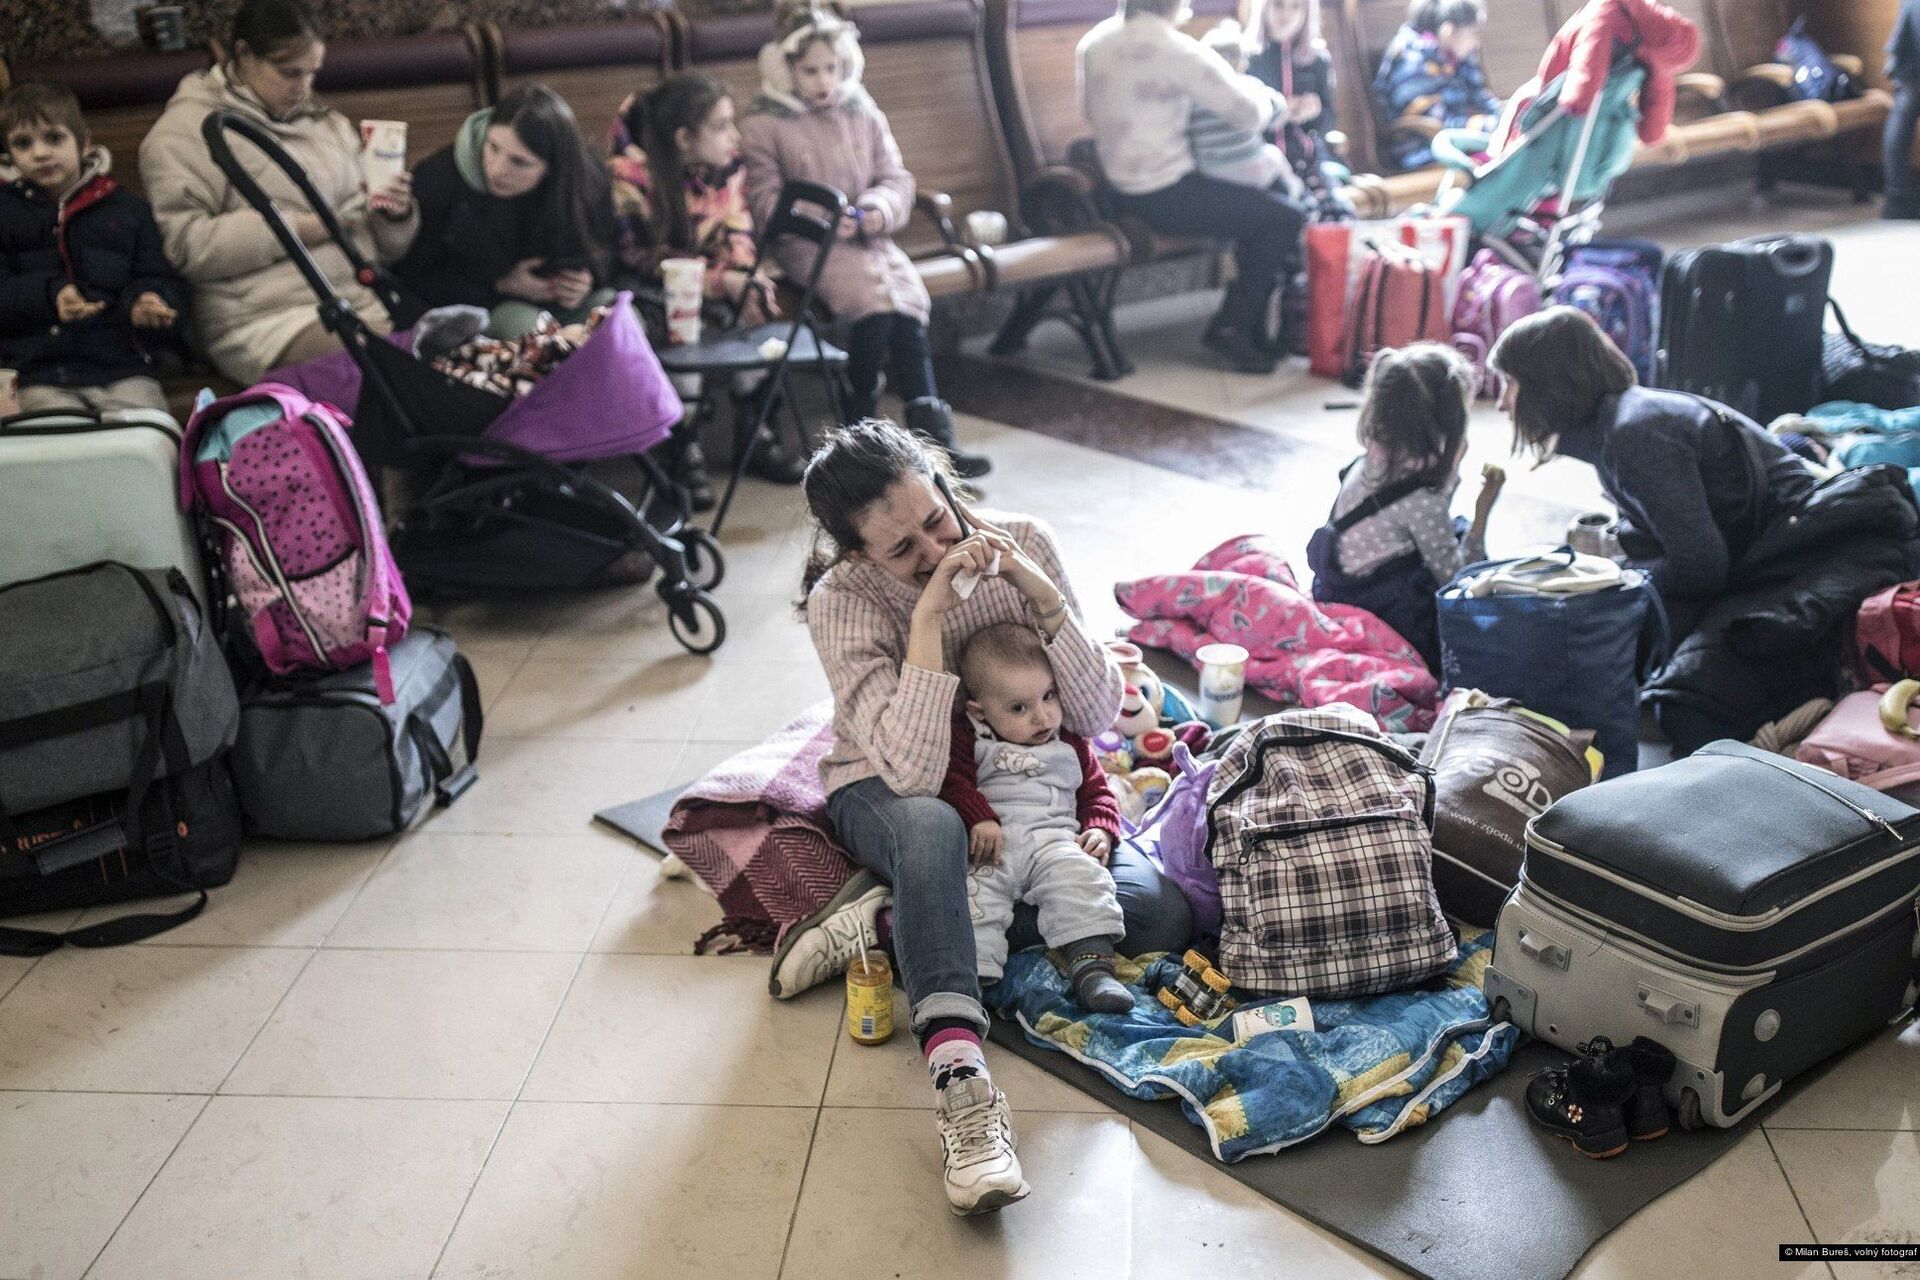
(773, 348)
(967, 579)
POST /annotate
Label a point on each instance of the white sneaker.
(976, 1135)
(822, 948)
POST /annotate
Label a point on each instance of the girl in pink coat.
(815, 121)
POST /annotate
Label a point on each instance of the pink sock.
(955, 1054)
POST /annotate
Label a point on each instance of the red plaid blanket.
(755, 831)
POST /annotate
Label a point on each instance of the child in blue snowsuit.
(1432, 69)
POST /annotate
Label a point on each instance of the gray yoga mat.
(1474, 1192)
(643, 819)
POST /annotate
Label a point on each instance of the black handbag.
(181, 834)
(1867, 372)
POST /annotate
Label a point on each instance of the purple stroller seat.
(609, 399)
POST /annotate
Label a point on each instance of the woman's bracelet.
(1058, 610)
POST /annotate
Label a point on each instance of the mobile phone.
(946, 491)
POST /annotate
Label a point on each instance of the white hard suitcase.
(77, 488)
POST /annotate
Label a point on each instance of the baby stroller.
(1546, 183)
(505, 507)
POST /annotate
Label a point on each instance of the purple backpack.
(1617, 282)
(300, 531)
(1174, 834)
(1492, 295)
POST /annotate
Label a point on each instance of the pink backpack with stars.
(299, 529)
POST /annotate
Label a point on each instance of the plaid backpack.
(1322, 831)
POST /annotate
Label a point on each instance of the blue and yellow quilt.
(1377, 1065)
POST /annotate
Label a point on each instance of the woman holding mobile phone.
(516, 217)
(900, 575)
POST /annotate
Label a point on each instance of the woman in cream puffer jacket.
(252, 309)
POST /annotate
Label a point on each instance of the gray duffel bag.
(92, 660)
(321, 759)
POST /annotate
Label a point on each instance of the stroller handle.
(214, 130)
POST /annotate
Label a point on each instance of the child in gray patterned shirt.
(1391, 540)
(1241, 156)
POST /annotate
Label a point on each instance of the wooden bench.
(1033, 46)
(926, 66)
(1727, 105)
(432, 81)
(593, 66)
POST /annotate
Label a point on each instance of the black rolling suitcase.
(1753, 914)
(1743, 323)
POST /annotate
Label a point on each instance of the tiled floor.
(485, 1050)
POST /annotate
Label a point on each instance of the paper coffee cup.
(1223, 683)
(383, 152)
(684, 278)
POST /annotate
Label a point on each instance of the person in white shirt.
(1141, 79)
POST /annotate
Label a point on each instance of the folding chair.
(811, 212)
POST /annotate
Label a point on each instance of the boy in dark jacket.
(86, 291)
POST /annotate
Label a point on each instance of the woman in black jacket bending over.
(1759, 562)
(516, 216)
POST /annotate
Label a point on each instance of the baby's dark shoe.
(1585, 1102)
(1653, 1064)
(1095, 987)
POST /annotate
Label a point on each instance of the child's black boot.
(1653, 1064)
(1585, 1102)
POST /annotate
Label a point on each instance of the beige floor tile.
(91, 1155)
(894, 1074)
(495, 662)
(535, 786)
(873, 1199)
(766, 561)
(1728, 1220)
(767, 696)
(586, 1190)
(1857, 1187)
(281, 895)
(1192, 1220)
(488, 893)
(52, 921)
(12, 969)
(407, 1024)
(685, 1029)
(611, 700)
(333, 1187)
(653, 915)
(500, 622)
(760, 629)
(1876, 1086)
(139, 1019)
(628, 627)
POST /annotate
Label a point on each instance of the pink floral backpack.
(299, 530)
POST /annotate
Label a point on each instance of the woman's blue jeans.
(918, 845)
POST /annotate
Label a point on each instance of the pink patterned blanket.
(1301, 652)
(755, 831)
